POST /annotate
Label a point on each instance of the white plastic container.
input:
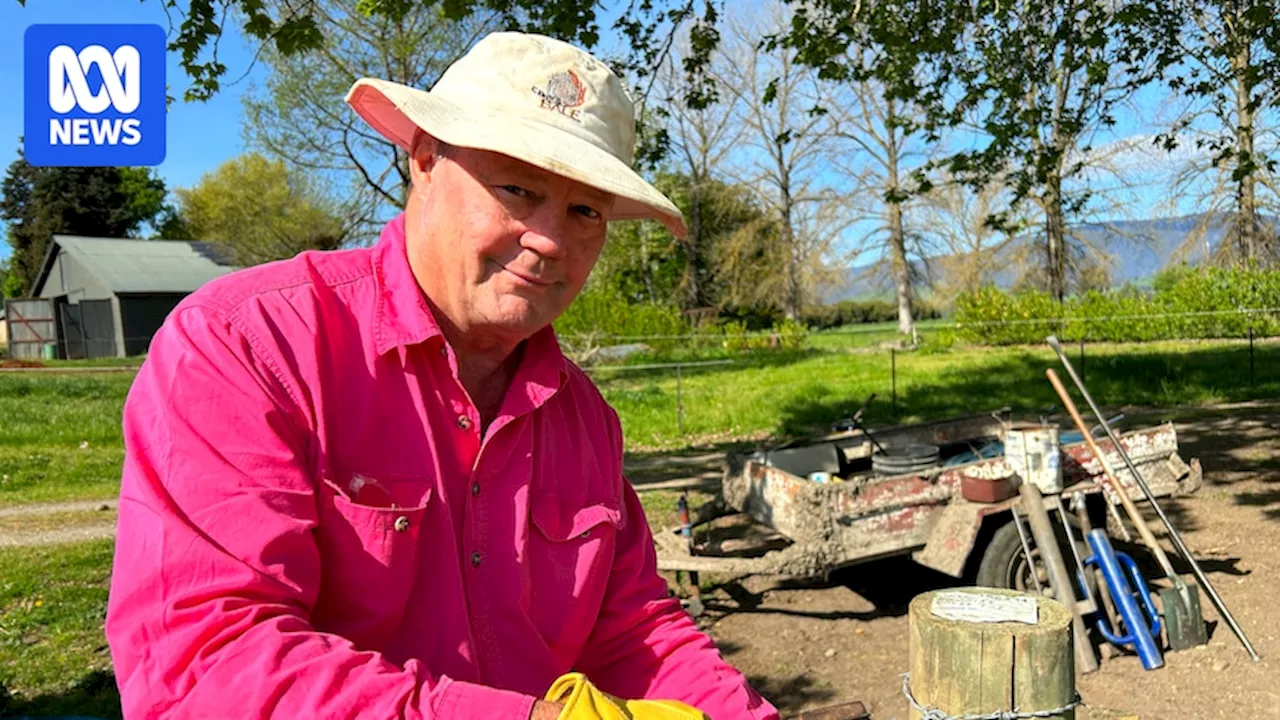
(1034, 453)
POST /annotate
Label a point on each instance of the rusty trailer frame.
(811, 529)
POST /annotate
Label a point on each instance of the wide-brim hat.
(532, 98)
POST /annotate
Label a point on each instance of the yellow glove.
(583, 701)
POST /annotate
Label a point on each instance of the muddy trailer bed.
(803, 528)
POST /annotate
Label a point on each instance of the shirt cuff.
(464, 700)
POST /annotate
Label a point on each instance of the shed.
(108, 296)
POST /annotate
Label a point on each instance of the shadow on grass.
(739, 359)
(93, 696)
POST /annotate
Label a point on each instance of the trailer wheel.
(1005, 566)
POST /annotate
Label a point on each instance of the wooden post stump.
(981, 662)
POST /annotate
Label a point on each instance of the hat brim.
(396, 111)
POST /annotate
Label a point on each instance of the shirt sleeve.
(644, 644)
(216, 568)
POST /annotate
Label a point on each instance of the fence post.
(893, 379)
(679, 405)
(1082, 358)
(1250, 354)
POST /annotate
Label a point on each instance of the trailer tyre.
(1004, 566)
(1002, 561)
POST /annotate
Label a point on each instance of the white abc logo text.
(69, 88)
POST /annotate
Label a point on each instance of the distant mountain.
(1138, 248)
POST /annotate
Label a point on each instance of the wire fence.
(696, 391)
(691, 398)
(713, 333)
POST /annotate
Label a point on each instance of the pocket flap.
(559, 521)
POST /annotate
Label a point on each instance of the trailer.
(808, 508)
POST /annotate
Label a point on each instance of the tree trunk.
(1246, 229)
(1055, 240)
(693, 244)
(792, 308)
(901, 271)
(897, 235)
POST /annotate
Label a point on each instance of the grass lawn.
(60, 436)
(53, 655)
(788, 394)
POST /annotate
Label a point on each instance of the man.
(367, 484)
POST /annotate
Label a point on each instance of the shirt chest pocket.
(571, 551)
(368, 559)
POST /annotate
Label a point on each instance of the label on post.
(980, 607)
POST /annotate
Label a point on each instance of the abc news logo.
(69, 88)
(94, 95)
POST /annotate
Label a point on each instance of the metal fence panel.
(31, 325)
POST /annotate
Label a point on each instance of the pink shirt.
(311, 524)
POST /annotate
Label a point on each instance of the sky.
(200, 135)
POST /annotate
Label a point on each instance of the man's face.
(501, 247)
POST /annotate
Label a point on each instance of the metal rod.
(1026, 550)
(1142, 483)
(1056, 501)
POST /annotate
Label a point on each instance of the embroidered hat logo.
(564, 94)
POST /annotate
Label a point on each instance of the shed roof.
(142, 266)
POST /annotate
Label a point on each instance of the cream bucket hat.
(532, 98)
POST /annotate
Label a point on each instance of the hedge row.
(857, 312)
(1186, 304)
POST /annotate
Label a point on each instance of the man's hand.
(545, 711)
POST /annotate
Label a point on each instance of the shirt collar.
(403, 318)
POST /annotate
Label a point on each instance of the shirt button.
(402, 524)
(475, 559)
(464, 422)
(475, 489)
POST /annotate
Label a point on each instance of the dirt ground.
(807, 645)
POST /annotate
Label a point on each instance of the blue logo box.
(94, 95)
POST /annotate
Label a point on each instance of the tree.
(258, 211)
(699, 141)
(1033, 80)
(296, 117)
(645, 263)
(39, 202)
(782, 155)
(879, 152)
(1223, 58)
(294, 27)
(956, 216)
